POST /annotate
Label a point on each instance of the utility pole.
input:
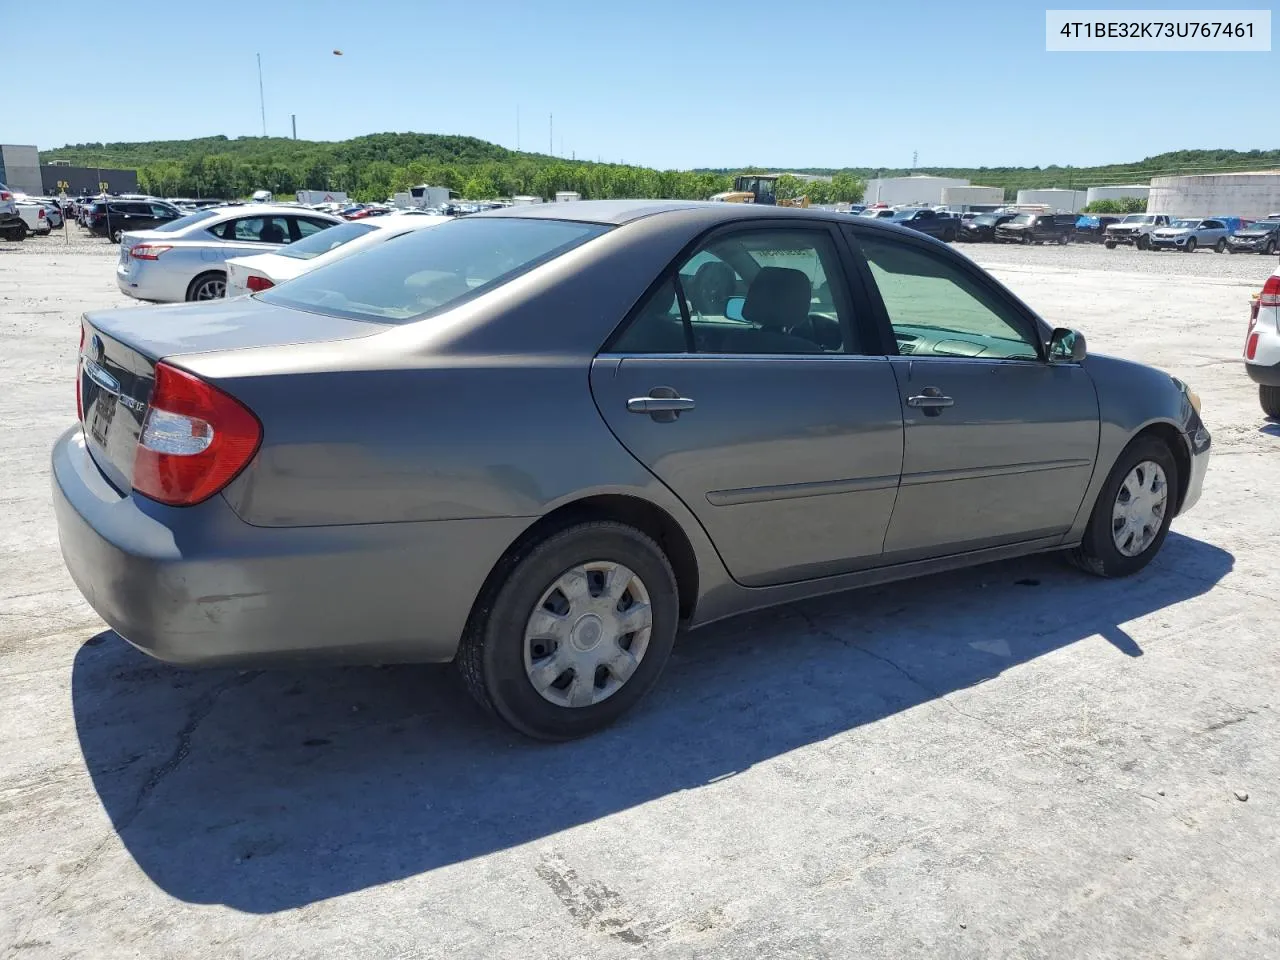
(293, 118)
(262, 100)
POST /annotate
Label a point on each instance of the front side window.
(427, 271)
(938, 309)
(750, 292)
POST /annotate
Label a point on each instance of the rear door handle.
(659, 404)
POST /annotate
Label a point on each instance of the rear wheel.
(16, 233)
(573, 632)
(1064, 239)
(1269, 397)
(1131, 517)
(1270, 248)
(1220, 246)
(1026, 239)
(949, 236)
(116, 234)
(208, 286)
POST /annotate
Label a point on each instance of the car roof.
(618, 212)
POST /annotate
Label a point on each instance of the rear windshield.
(325, 240)
(420, 273)
(183, 222)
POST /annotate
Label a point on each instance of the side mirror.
(733, 307)
(1066, 346)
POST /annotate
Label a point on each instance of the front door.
(740, 382)
(999, 444)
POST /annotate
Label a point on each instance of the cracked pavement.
(1012, 761)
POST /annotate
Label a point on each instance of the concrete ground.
(1013, 761)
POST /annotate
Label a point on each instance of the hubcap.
(1139, 509)
(588, 634)
(211, 290)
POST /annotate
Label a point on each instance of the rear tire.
(1269, 397)
(1220, 246)
(1270, 248)
(1099, 552)
(17, 233)
(1064, 239)
(208, 286)
(116, 234)
(502, 650)
(1026, 240)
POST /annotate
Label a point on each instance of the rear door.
(245, 236)
(999, 444)
(743, 381)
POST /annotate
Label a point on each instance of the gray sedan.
(185, 259)
(537, 441)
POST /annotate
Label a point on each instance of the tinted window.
(426, 271)
(938, 309)
(750, 292)
(256, 230)
(161, 212)
(308, 227)
(1213, 225)
(322, 241)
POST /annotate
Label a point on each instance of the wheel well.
(201, 276)
(1172, 439)
(634, 512)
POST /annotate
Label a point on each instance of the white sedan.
(251, 274)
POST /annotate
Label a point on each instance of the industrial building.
(1055, 198)
(20, 168)
(921, 189)
(972, 195)
(1129, 191)
(1252, 195)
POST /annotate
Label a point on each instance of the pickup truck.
(935, 224)
(12, 226)
(34, 216)
(1134, 230)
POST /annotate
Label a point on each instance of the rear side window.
(183, 222)
(427, 271)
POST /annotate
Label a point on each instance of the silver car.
(536, 441)
(1187, 235)
(185, 259)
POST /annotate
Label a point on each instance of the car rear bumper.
(1267, 375)
(197, 585)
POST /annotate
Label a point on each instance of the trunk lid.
(122, 347)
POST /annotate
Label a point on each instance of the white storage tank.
(1253, 195)
(923, 190)
(1131, 191)
(1055, 198)
(567, 196)
(957, 197)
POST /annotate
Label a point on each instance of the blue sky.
(662, 83)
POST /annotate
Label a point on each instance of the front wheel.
(1109, 244)
(572, 631)
(116, 234)
(1026, 239)
(1131, 517)
(1269, 397)
(1143, 242)
(1191, 245)
(1064, 239)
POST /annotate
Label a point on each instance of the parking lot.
(1012, 761)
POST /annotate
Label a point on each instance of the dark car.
(944, 226)
(1092, 229)
(982, 227)
(1037, 228)
(1260, 237)
(114, 218)
(748, 405)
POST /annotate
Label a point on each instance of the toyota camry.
(538, 441)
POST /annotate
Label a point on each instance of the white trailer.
(423, 196)
(312, 197)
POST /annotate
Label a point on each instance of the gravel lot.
(1013, 761)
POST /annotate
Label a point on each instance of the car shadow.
(268, 790)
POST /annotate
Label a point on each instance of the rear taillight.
(5, 195)
(1251, 347)
(148, 251)
(79, 354)
(258, 283)
(1270, 296)
(40, 213)
(196, 438)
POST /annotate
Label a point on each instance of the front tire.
(1109, 244)
(116, 234)
(1143, 242)
(1131, 517)
(1269, 397)
(572, 631)
(208, 286)
(1191, 245)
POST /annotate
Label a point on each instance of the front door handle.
(659, 404)
(931, 401)
(664, 404)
